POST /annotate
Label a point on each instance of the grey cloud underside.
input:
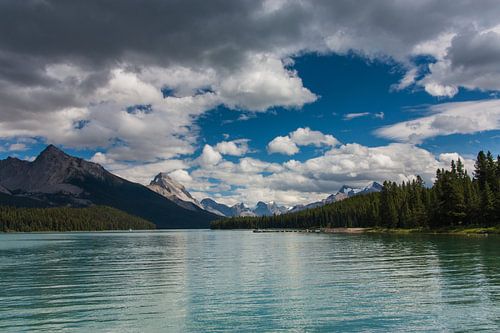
(98, 34)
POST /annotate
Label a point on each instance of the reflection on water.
(236, 280)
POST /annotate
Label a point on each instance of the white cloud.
(141, 173)
(264, 82)
(282, 145)
(17, 147)
(446, 119)
(235, 148)
(435, 89)
(182, 176)
(407, 80)
(294, 182)
(101, 158)
(288, 145)
(209, 157)
(306, 136)
(350, 116)
(376, 115)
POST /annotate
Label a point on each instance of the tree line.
(94, 218)
(454, 200)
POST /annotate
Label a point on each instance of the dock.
(287, 230)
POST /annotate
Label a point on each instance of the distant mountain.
(242, 209)
(269, 209)
(174, 191)
(217, 208)
(261, 209)
(373, 187)
(344, 192)
(55, 178)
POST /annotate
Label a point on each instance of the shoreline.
(375, 230)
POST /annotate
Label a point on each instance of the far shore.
(345, 230)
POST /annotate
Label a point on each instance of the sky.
(242, 101)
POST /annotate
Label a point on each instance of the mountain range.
(271, 208)
(55, 178)
(241, 209)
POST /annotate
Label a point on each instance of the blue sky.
(346, 85)
(279, 100)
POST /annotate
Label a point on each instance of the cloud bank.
(129, 79)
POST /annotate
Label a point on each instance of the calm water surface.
(204, 281)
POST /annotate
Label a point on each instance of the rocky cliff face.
(174, 191)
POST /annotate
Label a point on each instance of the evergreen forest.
(94, 218)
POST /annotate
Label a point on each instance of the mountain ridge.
(55, 178)
(271, 208)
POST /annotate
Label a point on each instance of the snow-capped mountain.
(269, 209)
(344, 192)
(373, 187)
(176, 192)
(163, 184)
(241, 209)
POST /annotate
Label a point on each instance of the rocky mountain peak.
(52, 152)
(52, 171)
(164, 180)
(163, 184)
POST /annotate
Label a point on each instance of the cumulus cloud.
(141, 173)
(294, 182)
(472, 61)
(234, 148)
(288, 145)
(446, 119)
(182, 176)
(306, 137)
(282, 145)
(262, 83)
(209, 156)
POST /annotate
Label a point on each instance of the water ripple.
(216, 281)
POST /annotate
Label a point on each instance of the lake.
(205, 281)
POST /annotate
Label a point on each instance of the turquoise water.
(204, 281)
